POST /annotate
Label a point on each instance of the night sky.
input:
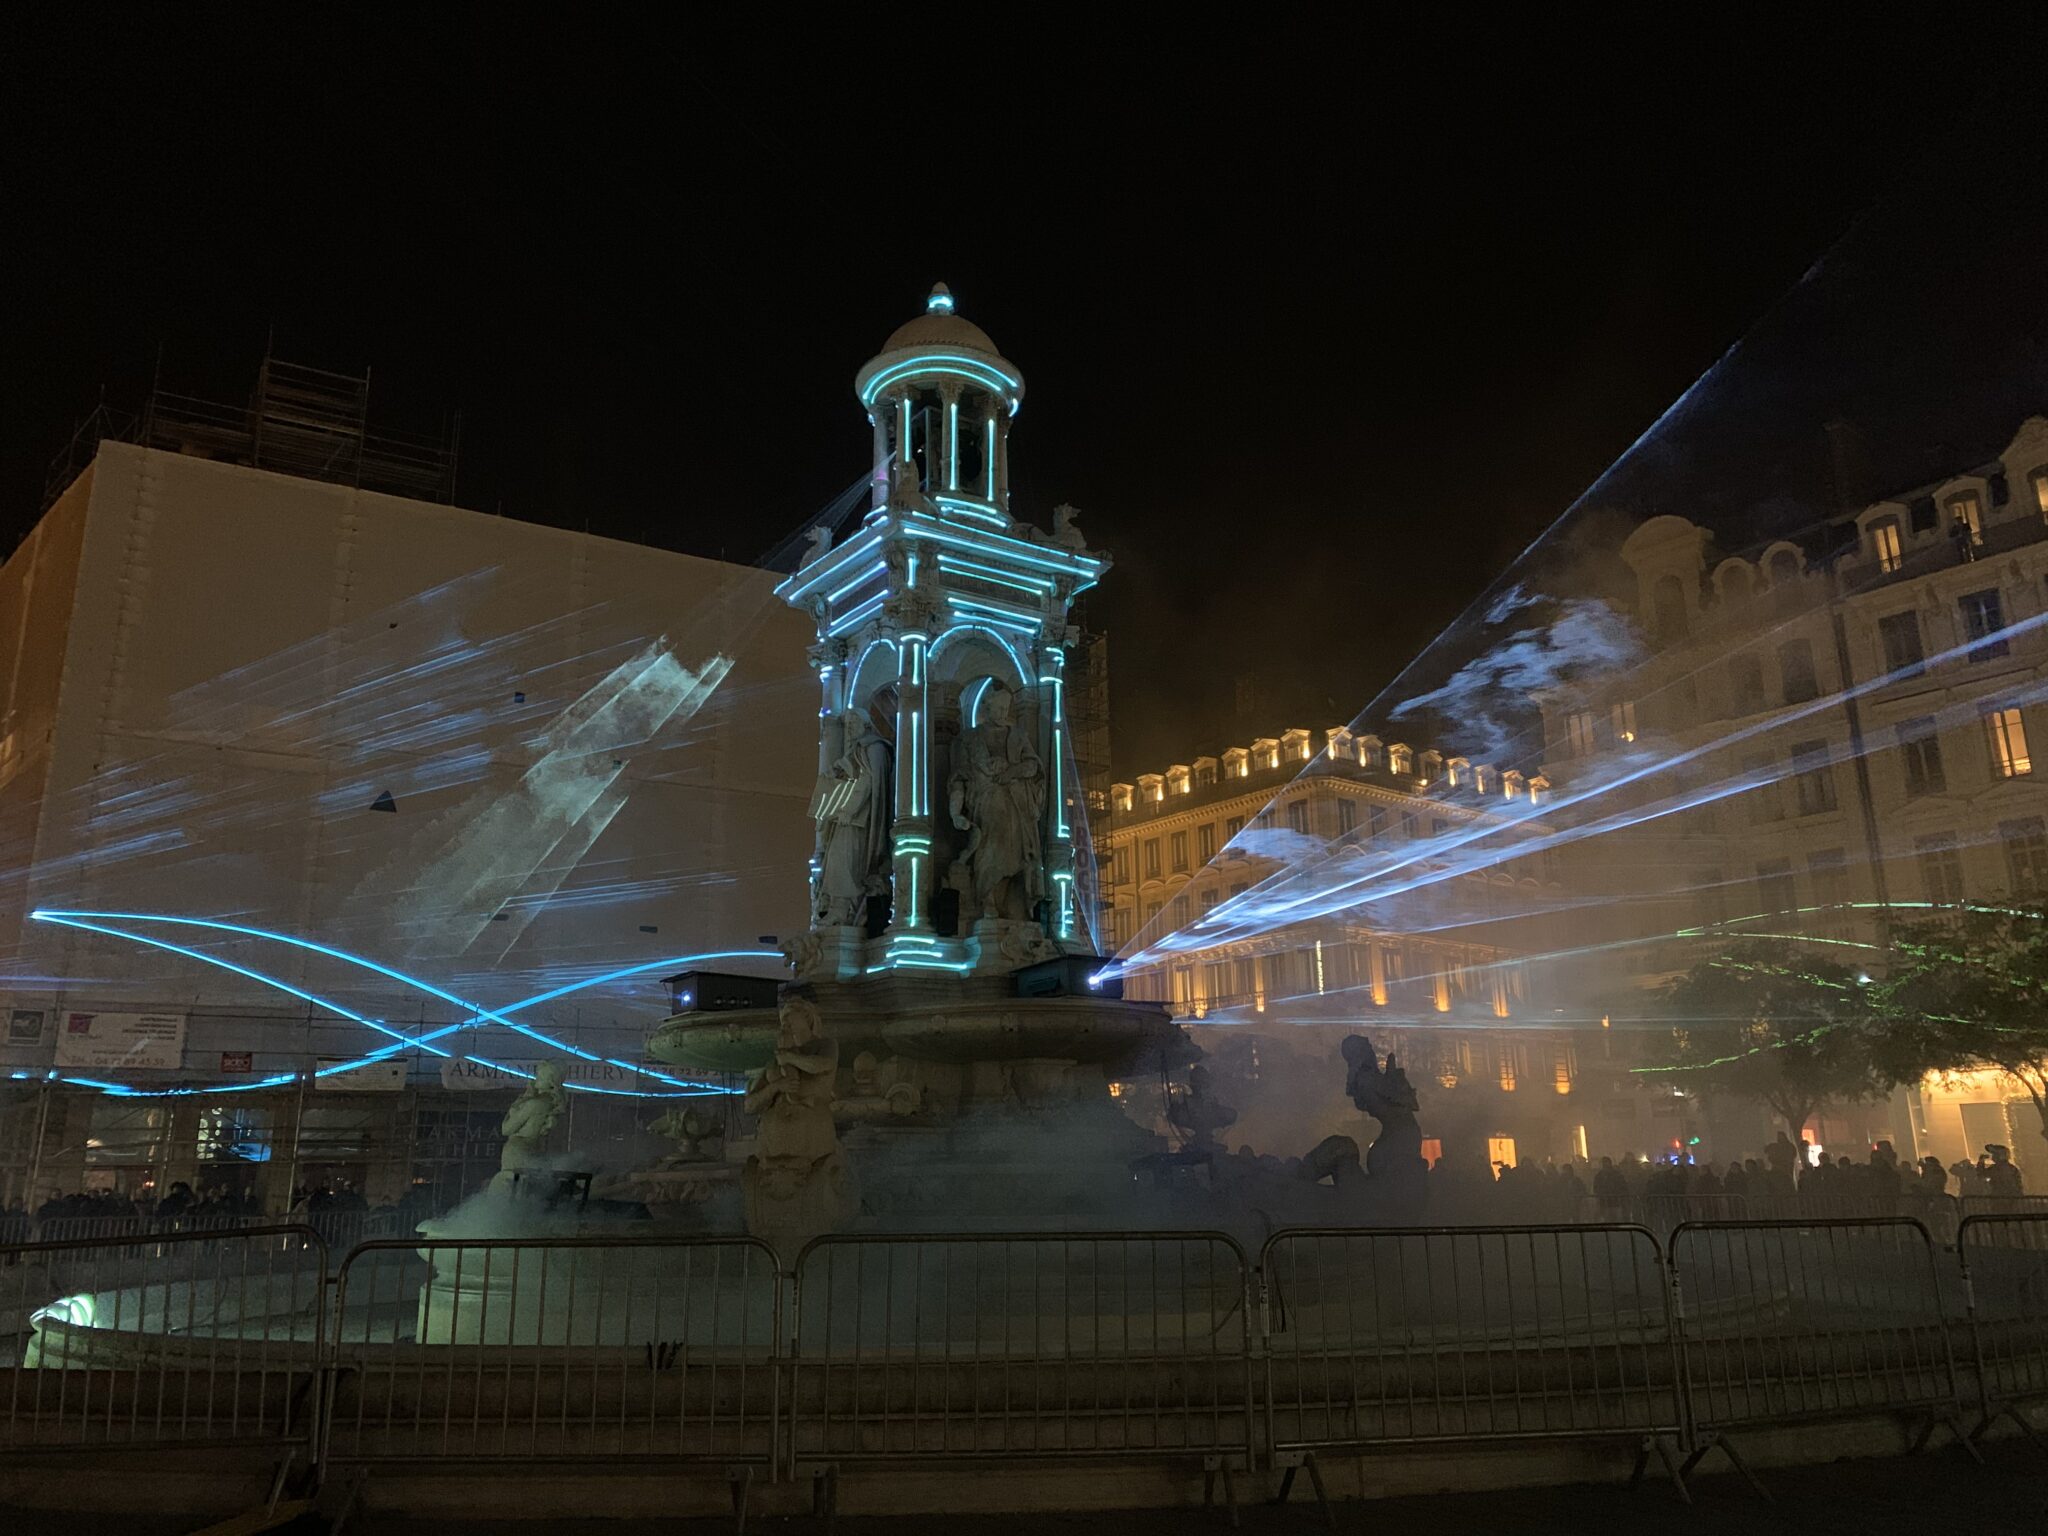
(1319, 329)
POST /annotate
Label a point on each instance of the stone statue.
(819, 545)
(528, 1123)
(996, 793)
(698, 1134)
(881, 1091)
(798, 1184)
(1387, 1096)
(1066, 530)
(852, 805)
(906, 492)
(1199, 1115)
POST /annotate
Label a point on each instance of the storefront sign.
(25, 1026)
(474, 1076)
(121, 1040)
(238, 1061)
(385, 1075)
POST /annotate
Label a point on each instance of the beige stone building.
(1850, 722)
(1435, 970)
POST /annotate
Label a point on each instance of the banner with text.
(121, 1040)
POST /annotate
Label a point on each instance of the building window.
(1667, 610)
(1178, 846)
(2039, 480)
(1120, 926)
(1746, 682)
(1828, 872)
(1941, 867)
(1884, 539)
(1983, 617)
(1965, 521)
(1624, 718)
(1813, 782)
(1899, 633)
(1347, 817)
(1205, 841)
(1371, 754)
(2007, 731)
(2026, 854)
(1579, 729)
(1375, 821)
(1238, 888)
(1231, 827)
(1122, 867)
(1764, 802)
(1297, 815)
(1205, 775)
(1777, 888)
(1152, 910)
(1795, 668)
(1400, 760)
(1151, 858)
(1920, 751)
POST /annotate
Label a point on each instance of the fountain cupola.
(943, 632)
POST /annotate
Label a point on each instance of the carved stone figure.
(881, 1091)
(1199, 1115)
(819, 545)
(1387, 1096)
(852, 805)
(997, 793)
(528, 1123)
(698, 1134)
(1066, 530)
(798, 1184)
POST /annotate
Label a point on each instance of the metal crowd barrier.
(2004, 1260)
(185, 1338)
(1378, 1338)
(1001, 1346)
(569, 1349)
(1787, 1321)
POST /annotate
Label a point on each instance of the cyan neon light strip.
(918, 525)
(403, 1041)
(859, 581)
(959, 506)
(832, 565)
(989, 456)
(1036, 585)
(858, 616)
(946, 365)
(995, 613)
(953, 444)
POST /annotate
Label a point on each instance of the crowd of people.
(1786, 1171)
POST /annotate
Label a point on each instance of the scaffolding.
(300, 421)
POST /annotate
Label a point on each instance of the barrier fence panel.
(1783, 1321)
(2005, 1280)
(1402, 1336)
(978, 1345)
(562, 1349)
(214, 1337)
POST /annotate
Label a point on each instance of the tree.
(1767, 1022)
(1969, 994)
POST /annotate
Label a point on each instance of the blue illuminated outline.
(987, 613)
(858, 616)
(960, 506)
(833, 564)
(861, 580)
(1025, 676)
(402, 1041)
(1036, 585)
(921, 526)
(943, 365)
(975, 692)
(989, 453)
(953, 444)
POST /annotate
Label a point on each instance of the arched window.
(1667, 609)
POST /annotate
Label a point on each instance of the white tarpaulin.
(385, 1076)
(121, 1040)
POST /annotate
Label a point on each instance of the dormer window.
(1884, 543)
(1120, 797)
(1296, 745)
(1512, 784)
(1266, 752)
(1539, 790)
(1177, 781)
(1205, 772)
(1484, 779)
(1430, 766)
(1400, 759)
(1966, 519)
(2039, 481)
(1372, 753)
(1151, 788)
(1237, 763)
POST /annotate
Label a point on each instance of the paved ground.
(1937, 1493)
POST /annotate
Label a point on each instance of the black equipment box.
(1070, 976)
(720, 992)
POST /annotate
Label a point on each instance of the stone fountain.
(950, 854)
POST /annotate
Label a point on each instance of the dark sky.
(1320, 327)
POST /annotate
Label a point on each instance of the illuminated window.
(1884, 540)
(1941, 867)
(1371, 752)
(1539, 788)
(1899, 633)
(1624, 717)
(1460, 772)
(1400, 759)
(1511, 784)
(1484, 779)
(1177, 846)
(1983, 616)
(2039, 480)
(1205, 773)
(1813, 783)
(2007, 731)
(1205, 841)
(1500, 1151)
(1120, 796)
(1151, 858)
(1920, 752)
(1965, 519)
(1177, 782)
(1795, 670)
(2026, 855)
